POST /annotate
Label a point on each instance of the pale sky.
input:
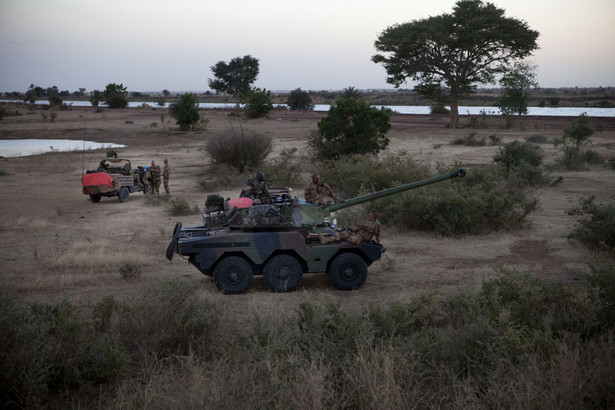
(151, 45)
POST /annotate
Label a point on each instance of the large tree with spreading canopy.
(450, 54)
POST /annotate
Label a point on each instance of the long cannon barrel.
(391, 191)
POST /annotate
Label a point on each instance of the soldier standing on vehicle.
(260, 190)
(359, 233)
(317, 192)
(166, 171)
(154, 177)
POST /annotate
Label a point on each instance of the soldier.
(154, 178)
(260, 190)
(359, 233)
(166, 171)
(317, 192)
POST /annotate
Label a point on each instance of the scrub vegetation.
(516, 342)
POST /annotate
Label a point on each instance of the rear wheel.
(282, 273)
(348, 271)
(124, 194)
(233, 275)
(95, 197)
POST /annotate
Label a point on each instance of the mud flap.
(372, 251)
(172, 248)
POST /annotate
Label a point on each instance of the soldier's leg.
(166, 185)
(157, 185)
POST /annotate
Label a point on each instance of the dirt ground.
(55, 244)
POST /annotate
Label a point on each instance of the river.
(401, 109)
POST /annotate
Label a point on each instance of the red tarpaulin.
(240, 202)
(98, 178)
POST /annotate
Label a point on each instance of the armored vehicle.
(113, 177)
(279, 240)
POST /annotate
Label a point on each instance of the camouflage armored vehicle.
(113, 177)
(279, 240)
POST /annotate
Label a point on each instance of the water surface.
(25, 147)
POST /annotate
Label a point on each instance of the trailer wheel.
(95, 197)
(124, 194)
(282, 273)
(348, 271)
(233, 275)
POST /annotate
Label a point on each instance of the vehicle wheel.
(124, 194)
(233, 275)
(348, 271)
(95, 197)
(282, 273)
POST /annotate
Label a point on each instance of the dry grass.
(100, 254)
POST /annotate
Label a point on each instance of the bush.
(574, 156)
(115, 95)
(470, 140)
(258, 103)
(170, 319)
(523, 157)
(597, 224)
(245, 152)
(180, 207)
(186, 112)
(351, 127)
(50, 350)
(487, 199)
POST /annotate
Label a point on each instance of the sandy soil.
(46, 220)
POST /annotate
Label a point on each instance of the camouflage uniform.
(317, 192)
(358, 234)
(166, 171)
(154, 178)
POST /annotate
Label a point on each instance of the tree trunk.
(454, 112)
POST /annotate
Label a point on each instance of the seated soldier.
(317, 192)
(359, 233)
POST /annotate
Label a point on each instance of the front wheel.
(95, 197)
(282, 273)
(124, 194)
(348, 271)
(233, 275)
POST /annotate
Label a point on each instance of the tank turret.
(278, 238)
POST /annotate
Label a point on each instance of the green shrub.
(299, 100)
(170, 319)
(51, 350)
(439, 109)
(245, 151)
(186, 112)
(130, 272)
(538, 139)
(258, 103)
(597, 224)
(487, 199)
(575, 138)
(524, 158)
(179, 207)
(286, 168)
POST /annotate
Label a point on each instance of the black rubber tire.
(95, 197)
(124, 194)
(233, 275)
(348, 271)
(283, 273)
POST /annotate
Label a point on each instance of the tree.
(236, 77)
(352, 126)
(451, 53)
(350, 92)
(299, 100)
(115, 95)
(33, 93)
(258, 102)
(186, 111)
(96, 96)
(517, 84)
(166, 92)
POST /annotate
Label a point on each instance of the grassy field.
(93, 315)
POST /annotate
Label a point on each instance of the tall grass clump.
(487, 199)
(49, 352)
(169, 319)
(596, 226)
(241, 149)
